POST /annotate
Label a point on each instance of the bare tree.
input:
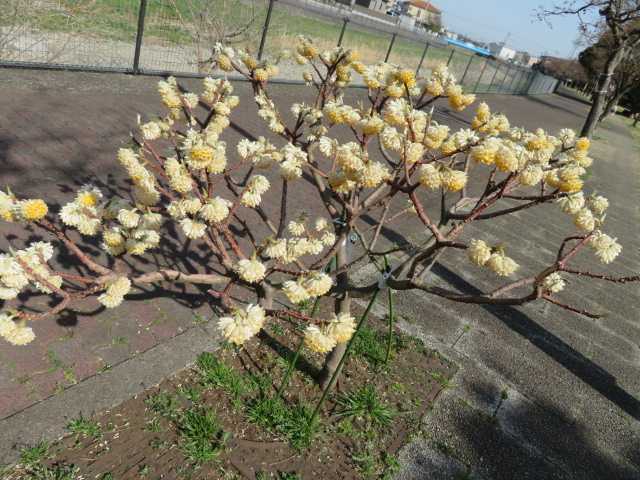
(626, 77)
(620, 18)
(208, 23)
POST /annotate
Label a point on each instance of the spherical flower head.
(317, 340)
(215, 210)
(151, 130)
(224, 63)
(374, 174)
(394, 91)
(128, 218)
(530, 175)
(296, 227)
(243, 325)
(413, 152)
(598, 204)
(606, 248)
(572, 203)
(434, 88)
(453, 180)
(251, 271)
(501, 264)
(275, 248)
(583, 144)
(200, 156)
(33, 210)
(407, 78)
(295, 292)
(506, 160)
(115, 292)
(391, 139)
(88, 196)
(261, 75)
(553, 283)
(341, 328)
(479, 252)
(328, 238)
(112, 238)
(15, 333)
(190, 206)
(371, 125)
(585, 220)
(317, 283)
(486, 152)
(258, 184)
(193, 229)
(429, 176)
(483, 112)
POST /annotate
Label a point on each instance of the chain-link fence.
(176, 36)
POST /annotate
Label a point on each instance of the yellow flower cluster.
(314, 284)
(115, 292)
(243, 324)
(16, 333)
(339, 330)
(494, 258)
(304, 241)
(435, 175)
(14, 278)
(130, 231)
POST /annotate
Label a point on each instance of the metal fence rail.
(176, 37)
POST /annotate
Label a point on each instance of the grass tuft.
(201, 436)
(164, 404)
(276, 416)
(365, 404)
(214, 373)
(85, 427)
(35, 454)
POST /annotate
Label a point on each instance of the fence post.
(515, 75)
(142, 12)
(494, 77)
(344, 27)
(466, 69)
(504, 79)
(267, 21)
(475, 88)
(424, 54)
(393, 40)
(450, 57)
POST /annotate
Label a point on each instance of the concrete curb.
(47, 419)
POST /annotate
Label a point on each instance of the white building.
(501, 51)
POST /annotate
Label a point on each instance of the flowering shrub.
(180, 162)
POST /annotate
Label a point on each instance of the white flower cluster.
(243, 324)
(14, 278)
(605, 247)
(145, 185)
(588, 213)
(304, 241)
(130, 231)
(339, 330)
(257, 186)
(250, 270)
(193, 216)
(261, 152)
(553, 283)
(16, 333)
(494, 258)
(267, 111)
(115, 292)
(313, 284)
(85, 212)
(355, 169)
(204, 151)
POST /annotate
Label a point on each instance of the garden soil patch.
(144, 436)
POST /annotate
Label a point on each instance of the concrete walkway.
(540, 393)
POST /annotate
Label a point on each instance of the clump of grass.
(35, 454)
(214, 373)
(365, 404)
(57, 471)
(84, 427)
(273, 414)
(371, 345)
(163, 404)
(201, 437)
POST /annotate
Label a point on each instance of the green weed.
(371, 345)
(164, 404)
(214, 373)
(85, 427)
(201, 436)
(276, 416)
(364, 403)
(57, 471)
(35, 454)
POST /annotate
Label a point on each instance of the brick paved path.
(572, 384)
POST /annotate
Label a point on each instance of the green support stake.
(393, 40)
(424, 54)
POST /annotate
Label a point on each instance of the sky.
(493, 20)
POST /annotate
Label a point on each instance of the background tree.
(620, 19)
(625, 78)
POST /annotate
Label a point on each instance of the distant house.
(425, 13)
(501, 51)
